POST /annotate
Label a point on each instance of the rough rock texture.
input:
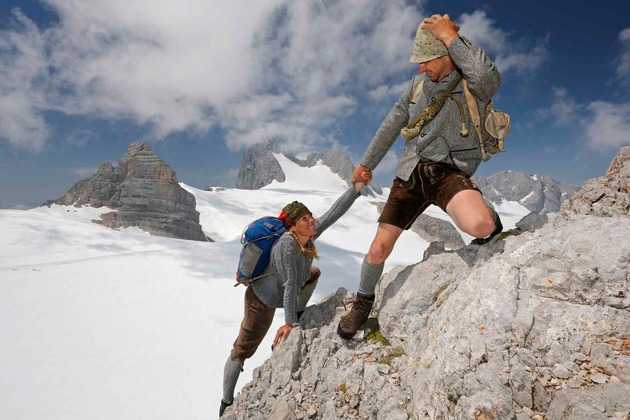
(540, 194)
(144, 192)
(432, 229)
(259, 167)
(533, 325)
(608, 195)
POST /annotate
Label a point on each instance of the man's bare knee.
(482, 228)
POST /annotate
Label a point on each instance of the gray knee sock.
(231, 373)
(305, 295)
(370, 273)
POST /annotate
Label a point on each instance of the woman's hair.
(310, 252)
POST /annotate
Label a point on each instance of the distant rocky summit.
(143, 191)
(537, 193)
(260, 168)
(533, 325)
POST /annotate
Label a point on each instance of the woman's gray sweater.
(290, 268)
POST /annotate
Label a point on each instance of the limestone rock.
(535, 325)
(259, 167)
(608, 195)
(143, 191)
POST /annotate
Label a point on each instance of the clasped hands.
(361, 176)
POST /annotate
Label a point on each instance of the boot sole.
(345, 335)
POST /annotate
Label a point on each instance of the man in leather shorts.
(438, 161)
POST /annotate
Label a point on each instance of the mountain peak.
(260, 167)
(143, 191)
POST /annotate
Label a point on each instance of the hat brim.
(417, 59)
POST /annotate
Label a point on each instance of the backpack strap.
(473, 110)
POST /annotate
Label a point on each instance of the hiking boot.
(224, 405)
(497, 229)
(351, 322)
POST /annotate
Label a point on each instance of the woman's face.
(305, 226)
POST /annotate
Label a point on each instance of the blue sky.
(201, 80)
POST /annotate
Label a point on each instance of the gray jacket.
(439, 139)
(290, 268)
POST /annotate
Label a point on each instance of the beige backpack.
(494, 129)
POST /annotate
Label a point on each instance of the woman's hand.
(283, 333)
(361, 177)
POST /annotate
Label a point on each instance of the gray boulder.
(535, 325)
(608, 195)
(537, 193)
(143, 191)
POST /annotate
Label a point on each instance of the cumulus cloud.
(564, 109)
(509, 55)
(284, 70)
(609, 125)
(22, 60)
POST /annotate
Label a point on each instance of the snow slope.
(104, 324)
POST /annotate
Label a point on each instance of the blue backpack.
(258, 238)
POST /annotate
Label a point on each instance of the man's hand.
(442, 27)
(283, 333)
(361, 174)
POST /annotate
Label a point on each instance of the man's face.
(437, 68)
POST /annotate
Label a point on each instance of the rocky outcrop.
(529, 326)
(608, 195)
(433, 229)
(144, 192)
(259, 167)
(537, 193)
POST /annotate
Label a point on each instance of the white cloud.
(284, 70)
(21, 61)
(507, 54)
(623, 68)
(609, 125)
(564, 109)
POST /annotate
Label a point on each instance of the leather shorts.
(429, 183)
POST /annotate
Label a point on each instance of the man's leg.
(371, 270)
(471, 214)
